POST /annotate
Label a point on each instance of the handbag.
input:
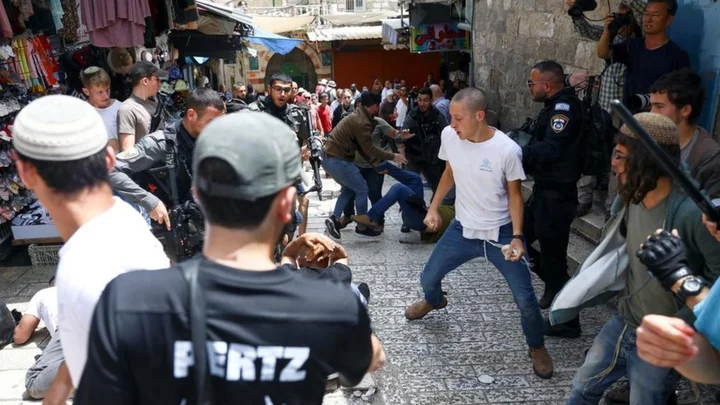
(198, 331)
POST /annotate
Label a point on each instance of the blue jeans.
(453, 250)
(348, 176)
(614, 355)
(398, 193)
(406, 177)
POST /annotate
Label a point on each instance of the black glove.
(17, 315)
(664, 256)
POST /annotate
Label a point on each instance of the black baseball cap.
(368, 98)
(144, 69)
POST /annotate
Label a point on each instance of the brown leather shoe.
(542, 363)
(344, 222)
(365, 220)
(421, 308)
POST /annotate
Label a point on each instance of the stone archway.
(296, 64)
(265, 56)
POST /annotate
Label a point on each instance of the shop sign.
(438, 38)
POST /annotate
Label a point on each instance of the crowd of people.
(233, 322)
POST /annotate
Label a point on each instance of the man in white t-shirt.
(96, 87)
(485, 166)
(401, 109)
(64, 158)
(42, 307)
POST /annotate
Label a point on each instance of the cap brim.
(162, 73)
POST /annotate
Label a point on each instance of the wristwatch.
(517, 237)
(690, 287)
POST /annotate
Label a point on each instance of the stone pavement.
(434, 361)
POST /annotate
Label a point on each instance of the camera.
(638, 102)
(619, 20)
(581, 6)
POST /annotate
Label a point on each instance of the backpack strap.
(198, 330)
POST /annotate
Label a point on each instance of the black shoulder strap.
(198, 331)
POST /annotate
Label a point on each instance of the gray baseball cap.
(260, 148)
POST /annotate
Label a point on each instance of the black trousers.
(548, 216)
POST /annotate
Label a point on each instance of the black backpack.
(7, 326)
(598, 136)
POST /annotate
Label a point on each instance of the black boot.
(568, 330)
(547, 298)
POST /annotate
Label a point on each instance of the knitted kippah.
(661, 128)
(58, 129)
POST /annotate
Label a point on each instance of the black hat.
(368, 98)
(144, 69)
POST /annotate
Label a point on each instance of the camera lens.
(638, 102)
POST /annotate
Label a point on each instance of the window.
(355, 5)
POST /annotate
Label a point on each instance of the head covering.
(390, 92)
(120, 61)
(144, 69)
(261, 150)
(332, 84)
(370, 98)
(323, 82)
(59, 128)
(662, 129)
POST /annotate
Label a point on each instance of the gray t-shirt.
(643, 294)
(135, 115)
(685, 152)
(382, 130)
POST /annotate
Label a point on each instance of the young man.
(96, 86)
(202, 106)
(42, 307)
(354, 134)
(401, 109)
(135, 115)
(273, 336)
(679, 96)
(648, 201)
(486, 168)
(426, 123)
(70, 179)
(324, 113)
(646, 58)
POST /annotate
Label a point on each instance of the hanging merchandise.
(25, 10)
(5, 25)
(70, 21)
(33, 60)
(115, 23)
(186, 13)
(120, 61)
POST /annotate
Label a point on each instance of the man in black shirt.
(650, 57)
(273, 336)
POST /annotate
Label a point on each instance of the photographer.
(646, 58)
(203, 105)
(679, 96)
(266, 334)
(626, 26)
(669, 341)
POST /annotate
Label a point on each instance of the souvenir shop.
(46, 45)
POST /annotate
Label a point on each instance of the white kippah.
(59, 128)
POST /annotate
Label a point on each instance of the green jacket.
(447, 214)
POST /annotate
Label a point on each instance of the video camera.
(619, 20)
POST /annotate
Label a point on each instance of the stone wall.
(510, 36)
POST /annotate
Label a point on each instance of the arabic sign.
(438, 38)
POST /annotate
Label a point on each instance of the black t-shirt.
(273, 337)
(645, 66)
(336, 272)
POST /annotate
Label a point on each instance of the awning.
(345, 33)
(358, 18)
(194, 43)
(212, 24)
(391, 28)
(277, 25)
(273, 42)
(224, 11)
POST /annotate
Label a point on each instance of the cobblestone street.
(434, 361)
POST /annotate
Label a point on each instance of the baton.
(687, 184)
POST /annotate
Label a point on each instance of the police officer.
(279, 106)
(426, 123)
(203, 105)
(552, 157)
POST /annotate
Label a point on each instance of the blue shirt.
(707, 320)
(443, 105)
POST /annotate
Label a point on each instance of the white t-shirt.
(43, 306)
(88, 262)
(481, 172)
(109, 116)
(401, 109)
